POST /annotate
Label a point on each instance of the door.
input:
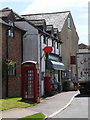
(28, 78)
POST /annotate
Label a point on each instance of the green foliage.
(48, 73)
(7, 64)
(37, 116)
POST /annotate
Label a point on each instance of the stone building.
(67, 34)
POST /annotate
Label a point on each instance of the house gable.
(7, 14)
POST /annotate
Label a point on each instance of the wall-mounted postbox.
(30, 81)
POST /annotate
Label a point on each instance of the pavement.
(50, 106)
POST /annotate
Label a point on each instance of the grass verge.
(16, 102)
(37, 116)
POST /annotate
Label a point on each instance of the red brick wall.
(4, 29)
(14, 53)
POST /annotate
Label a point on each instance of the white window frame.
(11, 29)
(12, 71)
(69, 22)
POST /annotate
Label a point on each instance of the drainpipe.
(7, 59)
(40, 68)
(1, 61)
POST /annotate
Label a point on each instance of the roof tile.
(50, 18)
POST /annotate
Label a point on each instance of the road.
(48, 106)
(77, 109)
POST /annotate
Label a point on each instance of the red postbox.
(30, 81)
(47, 85)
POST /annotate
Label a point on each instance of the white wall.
(83, 50)
(33, 49)
(42, 53)
(26, 26)
(49, 42)
(30, 42)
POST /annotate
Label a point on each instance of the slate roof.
(20, 28)
(55, 30)
(7, 11)
(56, 19)
(4, 14)
(83, 46)
(49, 27)
(38, 22)
(3, 22)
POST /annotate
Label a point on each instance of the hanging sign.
(48, 49)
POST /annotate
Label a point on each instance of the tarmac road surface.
(79, 108)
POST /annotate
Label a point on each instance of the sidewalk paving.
(48, 106)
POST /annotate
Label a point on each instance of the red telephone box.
(30, 81)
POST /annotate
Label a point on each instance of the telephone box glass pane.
(29, 78)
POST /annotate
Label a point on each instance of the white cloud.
(78, 8)
(82, 30)
(54, 5)
(2, 1)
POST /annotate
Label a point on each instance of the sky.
(78, 8)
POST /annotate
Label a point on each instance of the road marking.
(64, 107)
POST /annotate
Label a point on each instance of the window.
(53, 57)
(44, 40)
(11, 29)
(11, 23)
(11, 32)
(69, 22)
(56, 75)
(53, 43)
(47, 41)
(57, 45)
(12, 70)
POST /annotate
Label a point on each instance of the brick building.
(41, 29)
(11, 50)
(18, 49)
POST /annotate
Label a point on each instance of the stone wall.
(69, 47)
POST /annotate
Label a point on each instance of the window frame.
(69, 22)
(12, 70)
(53, 43)
(44, 39)
(57, 45)
(11, 29)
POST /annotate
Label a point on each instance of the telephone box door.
(30, 83)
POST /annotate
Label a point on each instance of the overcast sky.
(78, 8)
